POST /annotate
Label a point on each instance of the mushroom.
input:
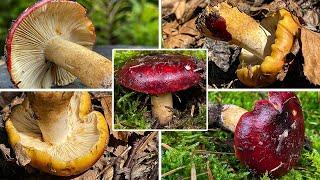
(57, 132)
(270, 137)
(265, 45)
(49, 44)
(160, 75)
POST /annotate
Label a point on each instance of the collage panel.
(265, 44)
(160, 89)
(68, 44)
(252, 135)
(46, 135)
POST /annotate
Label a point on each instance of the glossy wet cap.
(270, 138)
(158, 74)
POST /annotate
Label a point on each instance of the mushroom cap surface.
(159, 74)
(87, 135)
(26, 42)
(270, 138)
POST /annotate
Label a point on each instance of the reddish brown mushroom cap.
(159, 74)
(270, 138)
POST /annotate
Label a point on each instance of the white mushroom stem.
(93, 69)
(162, 108)
(50, 111)
(230, 116)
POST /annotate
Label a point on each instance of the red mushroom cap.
(158, 74)
(270, 138)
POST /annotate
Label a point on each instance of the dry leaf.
(311, 53)
(170, 28)
(178, 41)
(108, 174)
(22, 158)
(89, 175)
(106, 103)
(189, 28)
(5, 152)
(180, 9)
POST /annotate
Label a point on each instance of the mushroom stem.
(162, 108)
(229, 116)
(51, 119)
(93, 69)
(224, 22)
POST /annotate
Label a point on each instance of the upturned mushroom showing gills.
(57, 132)
(271, 136)
(49, 45)
(265, 45)
(160, 75)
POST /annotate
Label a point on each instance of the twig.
(209, 171)
(172, 171)
(201, 174)
(166, 146)
(210, 152)
(118, 157)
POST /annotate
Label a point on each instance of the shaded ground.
(129, 155)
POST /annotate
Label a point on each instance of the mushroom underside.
(27, 42)
(82, 133)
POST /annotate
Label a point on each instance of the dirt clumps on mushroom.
(57, 132)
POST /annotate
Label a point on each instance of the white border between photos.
(160, 130)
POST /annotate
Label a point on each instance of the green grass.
(132, 109)
(218, 144)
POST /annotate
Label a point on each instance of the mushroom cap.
(87, 136)
(159, 74)
(284, 27)
(270, 138)
(27, 39)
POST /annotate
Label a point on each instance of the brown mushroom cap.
(27, 39)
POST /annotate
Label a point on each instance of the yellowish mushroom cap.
(264, 74)
(66, 139)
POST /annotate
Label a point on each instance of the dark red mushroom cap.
(158, 74)
(270, 138)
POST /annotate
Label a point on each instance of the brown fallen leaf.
(311, 53)
(189, 28)
(106, 103)
(22, 158)
(89, 175)
(178, 41)
(180, 9)
(170, 28)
